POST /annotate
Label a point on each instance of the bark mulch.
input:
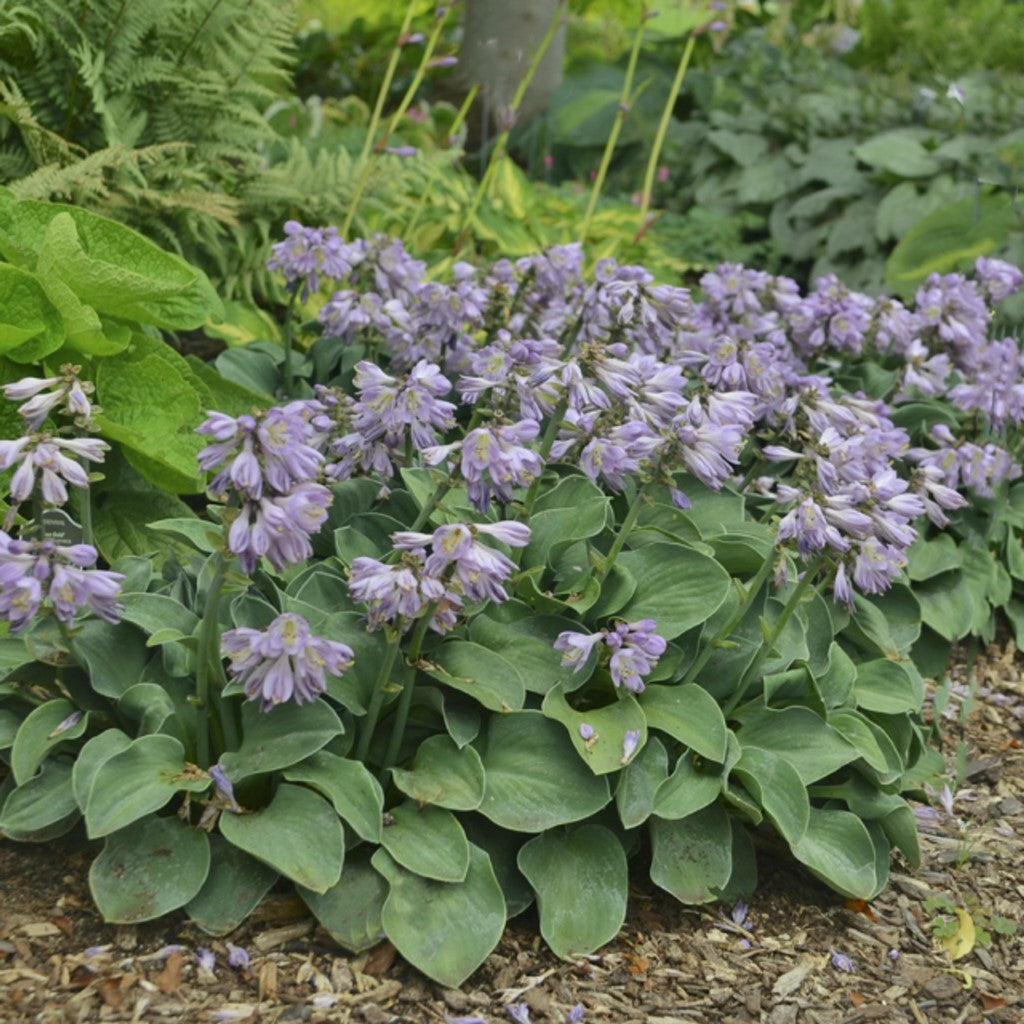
(783, 963)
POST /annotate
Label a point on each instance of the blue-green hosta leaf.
(428, 841)
(479, 673)
(149, 869)
(115, 656)
(689, 714)
(91, 757)
(872, 743)
(899, 153)
(838, 849)
(44, 801)
(298, 834)
(354, 792)
(605, 750)
(686, 790)
(233, 888)
(445, 929)
(692, 857)
(153, 612)
(444, 774)
(799, 736)
(42, 730)
(928, 558)
(677, 587)
(351, 909)
(890, 687)
(886, 624)
(582, 883)
(534, 779)
(778, 788)
(574, 509)
(280, 738)
(639, 782)
(137, 781)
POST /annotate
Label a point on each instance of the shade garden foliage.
(502, 581)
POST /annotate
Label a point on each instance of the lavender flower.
(586, 731)
(576, 1014)
(308, 253)
(495, 460)
(842, 963)
(519, 1012)
(66, 393)
(205, 959)
(45, 454)
(394, 592)
(283, 660)
(237, 957)
(635, 649)
(998, 278)
(279, 528)
(223, 786)
(576, 648)
(629, 744)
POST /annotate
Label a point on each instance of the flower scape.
(526, 574)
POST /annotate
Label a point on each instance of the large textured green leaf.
(355, 793)
(30, 326)
(678, 587)
(281, 737)
(897, 152)
(534, 777)
(428, 841)
(692, 857)
(297, 834)
(444, 774)
(351, 909)
(604, 751)
(235, 885)
(689, 714)
(137, 781)
(582, 883)
(149, 869)
(445, 929)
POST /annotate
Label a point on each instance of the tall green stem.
(546, 443)
(289, 341)
(625, 101)
(405, 701)
(209, 651)
(752, 589)
(501, 142)
(805, 584)
(659, 139)
(85, 507)
(624, 531)
(377, 697)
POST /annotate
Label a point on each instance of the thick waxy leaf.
(886, 624)
(445, 929)
(678, 587)
(355, 793)
(479, 673)
(39, 733)
(890, 687)
(281, 737)
(573, 510)
(534, 777)
(899, 153)
(233, 888)
(686, 790)
(297, 834)
(148, 869)
(351, 909)
(871, 742)
(604, 751)
(154, 612)
(91, 757)
(527, 643)
(928, 558)
(799, 736)
(581, 881)
(36, 806)
(689, 714)
(444, 774)
(114, 656)
(639, 782)
(692, 857)
(838, 849)
(428, 841)
(137, 781)
(778, 788)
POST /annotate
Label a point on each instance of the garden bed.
(60, 962)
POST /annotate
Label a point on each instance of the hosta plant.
(540, 577)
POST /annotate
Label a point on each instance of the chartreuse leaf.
(297, 834)
(235, 885)
(838, 849)
(351, 909)
(692, 857)
(137, 781)
(39, 733)
(776, 785)
(799, 736)
(479, 673)
(534, 779)
(30, 326)
(148, 869)
(91, 757)
(687, 790)
(603, 752)
(428, 841)
(281, 737)
(676, 586)
(122, 525)
(46, 801)
(445, 929)
(689, 714)
(639, 782)
(582, 883)
(355, 793)
(443, 774)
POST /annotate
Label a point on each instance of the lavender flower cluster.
(633, 651)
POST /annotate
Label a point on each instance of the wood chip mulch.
(784, 963)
